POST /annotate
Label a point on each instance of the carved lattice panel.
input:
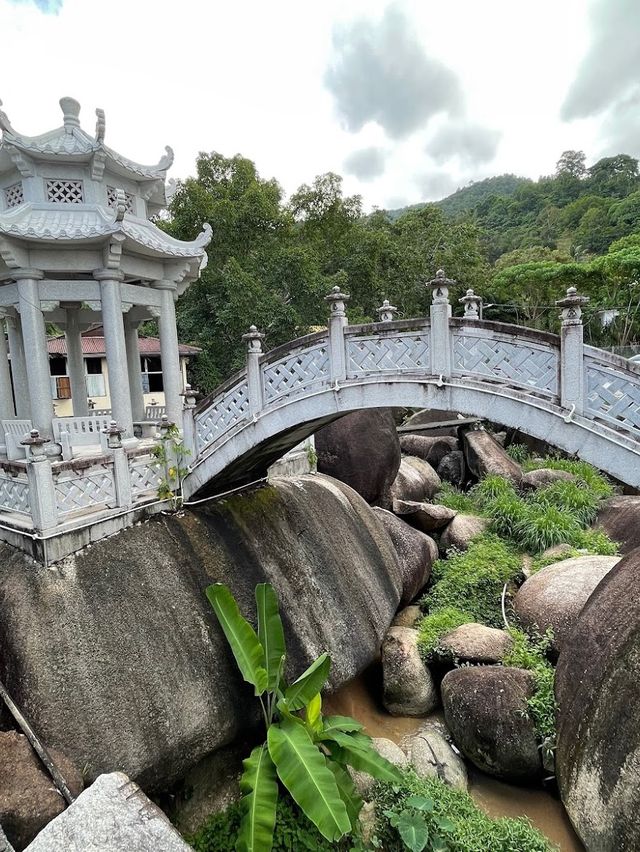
(613, 394)
(145, 477)
(14, 495)
(516, 363)
(222, 414)
(296, 372)
(14, 195)
(85, 490)
(408, 352)
(65, 191)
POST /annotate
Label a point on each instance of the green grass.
(595, 481)
(472, 581)
(491, 488)
(434, 626)
(598, 542)
(530, 653)
(518, 452)
(471, 830)
(453, 498)
(570, 497)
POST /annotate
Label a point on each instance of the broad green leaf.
(340, 723)
(309, 683)
(413, 831)
(260, 787)
(270, 631)
(313, 713)
(420, 803)
(445, 824)
(361, 755)
(348, 792)
(303, 770)
(241, 636)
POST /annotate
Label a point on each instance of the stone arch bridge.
(581, 399)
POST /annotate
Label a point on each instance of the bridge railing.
(559, 368)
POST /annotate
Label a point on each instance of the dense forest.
(517, 242)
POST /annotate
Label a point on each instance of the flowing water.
(497, 798)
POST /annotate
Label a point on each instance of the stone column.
(75, 364)
(7, 410)
(170, 354)
(337, 322)
(253, 338)
(113, 324)
(18, 369)
(135, 372)
(34, 339)
(440, 331)
(572, 351)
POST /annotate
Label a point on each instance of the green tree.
(572, 163)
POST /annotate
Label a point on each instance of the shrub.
(490, 488)
(545, 526)
(469, 829)
(453, 498)
(437, 624)
(472, 581)
(596, 541)
(530, 653)
(571, 497)
(518, 452)
(508, 513)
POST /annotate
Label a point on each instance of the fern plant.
(307, 752)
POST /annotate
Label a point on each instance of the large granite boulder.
(431, 449)
(453, 468)
(598, 694)
(426, 517)
(28, 796)
(484, 455)
(362, 450)
(117, 658)
(416, 553)
(485, 708)
(416, 480)
(461, 530)
(554, 597)
(619, 517)
(364, 782)
(475, 643)
(544, 476)
(409, 689)
(113, 815)
(5, 846)
(431, 755)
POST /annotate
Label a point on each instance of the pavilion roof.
(94, 346)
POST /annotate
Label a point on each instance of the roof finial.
(71, 112)
(5, 124)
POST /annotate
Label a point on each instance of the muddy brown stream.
(497, 798)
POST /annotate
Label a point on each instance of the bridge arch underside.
(246, 451)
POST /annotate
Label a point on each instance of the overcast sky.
(408, 100)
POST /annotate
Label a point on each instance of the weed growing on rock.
(544, 526)
(453, 498)
(436, 625)
(595, 481)
(491, 488)
(570, 497)
(518, 452)
(530, 653)
(598, 542)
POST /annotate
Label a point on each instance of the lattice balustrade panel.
(65, 191)
(145, 476)
(223, 413)
(516, 363)
(612, 394)
(14, 495)
(296, 372)
(408, 352)
(112, 199)
(14, 195)
(85, 490)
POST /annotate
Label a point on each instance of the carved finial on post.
(253, 338)
(386, 311)
(114, 435)
(572, 305)
(189, 396)
(440, 314)
(440, 287)
(471, 304)
(35, 444)
(337, 300)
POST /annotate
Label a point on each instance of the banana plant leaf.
(241, 637)
(340, 723)
(356, 750)
(348, 792)
(308, 684)
(259, 784)
(270, 631)
(304, 772)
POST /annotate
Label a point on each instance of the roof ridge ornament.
(71, 113)
(166, 161)
(5, 124)
(101, 126)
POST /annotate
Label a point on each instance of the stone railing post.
(253, 338)
(386, 312)
(337, 322)
(472, 305)
(440, 331)
(572, 351)
(188, 420)
(121, 474)
(42, 495)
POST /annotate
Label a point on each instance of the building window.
(152, 375)
(14, 195)
(94, 377)
(65, 191)
(60, 382)
(112, 199)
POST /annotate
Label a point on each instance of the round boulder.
(416, 480)
(619, 517)
(427, 447)
(431, 755)
(28, 797)
(407, 617)
(364, 782)
(554, 597)
(416, 553)
(484, 455)
(409, 689)
(545, 476)
(475, 643)
(427, 517)
(453, 469)
(485, 708)
(598, 695)
(362, 450)
(461, 530)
